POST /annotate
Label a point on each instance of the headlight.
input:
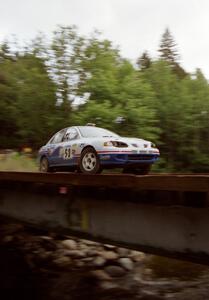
(153, 145)
(115, 144)
(108, 144)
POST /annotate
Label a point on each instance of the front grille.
(140, 157)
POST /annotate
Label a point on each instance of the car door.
(54, 148)
(69, 146)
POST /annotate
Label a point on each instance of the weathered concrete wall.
(125, 217)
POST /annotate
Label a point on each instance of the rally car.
(90, 149)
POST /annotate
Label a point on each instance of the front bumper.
(127, 159)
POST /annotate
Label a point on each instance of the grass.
(17, 162)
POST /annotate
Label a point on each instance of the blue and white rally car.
(90, 149)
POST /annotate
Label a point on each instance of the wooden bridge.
(159, 214)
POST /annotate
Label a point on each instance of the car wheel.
(44, 165)
(89, 161)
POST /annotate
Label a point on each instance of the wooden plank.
(177, 182)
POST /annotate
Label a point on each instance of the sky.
(132, 25)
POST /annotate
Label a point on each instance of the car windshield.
(88, 131)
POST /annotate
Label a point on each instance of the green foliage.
(36, 100)
(63, 53)
(8, 101)
(144, 61)
(103, 114)
(182, 113)
(100, 68)
(138, 121)
(157, 101)
(168, 53)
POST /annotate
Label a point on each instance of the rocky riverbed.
(36, 265)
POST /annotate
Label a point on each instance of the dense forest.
(71, 79)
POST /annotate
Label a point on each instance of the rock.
(126, 263)
(69, 244)
(75, 253)
(48, 244)
(101, 275)
(87, 259)
(38, 249)
(90, 243)
(46, 238)
(54, 235)
(115, 271)
(45, 255)
(107, 246)
(8, 239)
(109, 255)
(170, 296)
(137, 256)
(92, 252)
(137, 277)
(123, 252)
(61, 252)
(82, 246)
(30, 261)
(79, 263)
(147, 273)
(99, 261)
(107, 285)
(62, 261)
(151, 295)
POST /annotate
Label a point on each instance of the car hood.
(130, 141)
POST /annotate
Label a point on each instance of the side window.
(71, 134)
(58, 138)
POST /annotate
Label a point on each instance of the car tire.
(44, 165)
(137, 171)
(89, 162)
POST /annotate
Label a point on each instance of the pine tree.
(169, 53)
(144, 61)
(5, 52)
(168, 50)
